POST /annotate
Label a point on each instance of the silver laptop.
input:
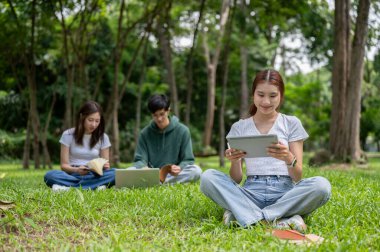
(137, 178)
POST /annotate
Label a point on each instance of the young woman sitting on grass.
(80, 145)
(273, 191)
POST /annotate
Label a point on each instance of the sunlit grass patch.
(176, 217)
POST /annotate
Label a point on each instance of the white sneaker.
(59, 188)
(228, 217)
(295, 222)
(101, 188)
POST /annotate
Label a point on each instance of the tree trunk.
(47, 159)
(163, 32)
(30, 70)
(244, 93)
(34, 114)
(26, 154)
(225, 70)
(222, 128)
(139, 94)
(117, 50)
(211, 83)
(99, 77)
(115, 133)
(117, 96)
(346, 81)
(355, 81)
(68, 122)
(150, 14)
(189, 67)
(283, 67)
(80, 41)
(212, 63)
(115, 158)
(132, 64)
(138, 109)
(339, 79)
(31, 78)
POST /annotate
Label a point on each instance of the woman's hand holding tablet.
(254, 146)
(234, 154)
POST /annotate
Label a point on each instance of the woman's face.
(91, 122)
(267, 98)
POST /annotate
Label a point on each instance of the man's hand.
(175, 170)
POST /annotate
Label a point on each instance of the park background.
(55, 55)
(204, 54)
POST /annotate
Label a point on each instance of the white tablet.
(255, 146)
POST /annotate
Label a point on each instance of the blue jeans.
(265, 197)
(190, 173)
(88, 181)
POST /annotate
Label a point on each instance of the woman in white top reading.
(273, 191)
(80, 145)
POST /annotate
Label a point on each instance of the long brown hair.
(271, 77)
(87, 109)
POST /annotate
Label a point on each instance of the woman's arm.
(65, 165)
(236, 172)
(105, 153)
(295, 150)
(280, 151)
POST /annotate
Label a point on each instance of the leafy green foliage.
(92, 30)
(309, 98)
(11, 145)
(370, 117)
(317, 27)
(12, 109)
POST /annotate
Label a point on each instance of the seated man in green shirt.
(166, 143)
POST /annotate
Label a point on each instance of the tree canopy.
(57, 54)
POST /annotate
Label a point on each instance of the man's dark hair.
(158, 102)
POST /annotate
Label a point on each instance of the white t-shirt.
(287, 128)
(82, 154)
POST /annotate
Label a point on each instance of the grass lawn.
(176, 218)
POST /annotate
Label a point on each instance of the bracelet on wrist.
(293, 163)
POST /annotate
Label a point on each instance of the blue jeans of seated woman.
(265, 197)
(88, 181)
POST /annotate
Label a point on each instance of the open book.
(296, 237)
(96, 165)
(164, 171)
